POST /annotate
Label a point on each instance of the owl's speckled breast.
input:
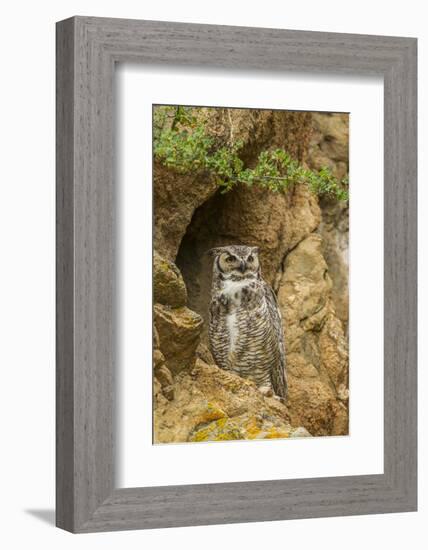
(232, 290)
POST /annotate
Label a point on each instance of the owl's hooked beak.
(242, 267)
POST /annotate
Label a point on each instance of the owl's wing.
(217, 338)
(278, 373)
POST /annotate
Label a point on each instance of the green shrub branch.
(185, 146)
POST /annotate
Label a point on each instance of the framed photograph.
(236, 274)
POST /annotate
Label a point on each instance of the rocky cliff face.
(329, 146)
(303, 255)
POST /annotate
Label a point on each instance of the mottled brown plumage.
(246, 333)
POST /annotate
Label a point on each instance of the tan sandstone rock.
(329, 146)
(179, 335)
(211, 404)
(168, 285)
(164, 376)
(176, 196)
(317, 356)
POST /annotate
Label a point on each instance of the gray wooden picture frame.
(87, 50)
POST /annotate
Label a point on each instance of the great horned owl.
(245, 331)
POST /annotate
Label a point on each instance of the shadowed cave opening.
(204, 232)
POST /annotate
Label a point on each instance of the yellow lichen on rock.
(211, 404)
(219, 430)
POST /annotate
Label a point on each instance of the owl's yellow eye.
(250, 259)
(230, 259)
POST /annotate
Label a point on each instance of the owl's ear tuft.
(214, 251)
